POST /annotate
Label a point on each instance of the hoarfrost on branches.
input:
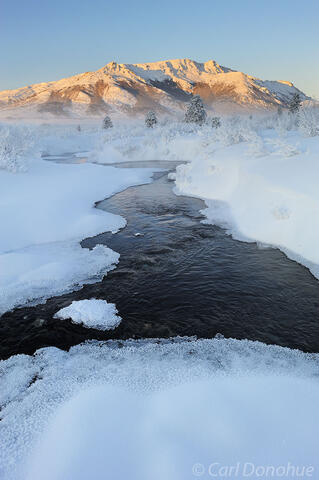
(16, 148)
(195, 112)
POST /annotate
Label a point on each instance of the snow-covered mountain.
(164, 86)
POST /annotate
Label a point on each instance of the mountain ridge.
(164, 86)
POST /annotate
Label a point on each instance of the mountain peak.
(164, 85)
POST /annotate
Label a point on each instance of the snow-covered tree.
(17, 148)
(195, 112)
(216, 123)
(308, 122)
(107, 122)
(279, 111)
(295, 103)
(150, 119)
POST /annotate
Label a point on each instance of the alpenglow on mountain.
(163, 86)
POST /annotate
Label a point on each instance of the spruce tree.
(107, 122)
(150, 119)
(195, 112)
(295, 103)
(216, 123)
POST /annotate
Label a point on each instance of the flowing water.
(178, 276)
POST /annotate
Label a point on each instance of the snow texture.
(31, 275)
(152, 409)
(91, 313)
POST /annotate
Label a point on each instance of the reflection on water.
(178, 276)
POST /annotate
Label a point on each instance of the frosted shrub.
(107, 122)
(16, 148)
(195, 112)
(309, 121)
(285, 122)
(235, 130)
(173, 140)
(150, 119)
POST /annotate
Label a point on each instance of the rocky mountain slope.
(163, 86)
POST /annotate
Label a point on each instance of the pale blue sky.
(47, 40)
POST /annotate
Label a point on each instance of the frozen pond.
(177, 276)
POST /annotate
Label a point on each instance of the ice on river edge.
(33, 274)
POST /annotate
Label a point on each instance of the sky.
(52, 39)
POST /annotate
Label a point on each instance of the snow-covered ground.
(152, 410)
(92, 313)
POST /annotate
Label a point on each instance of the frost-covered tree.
(150, 119)
(279, 111)
(295, 103)
(195, 112)
(17, 148)
(309, 120)
(216, 123)
(107, 122)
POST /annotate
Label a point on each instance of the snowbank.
(91, 313)
(154, 409)
(270, 196)
(31, 275)
(44, 211)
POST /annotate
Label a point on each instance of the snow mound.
(153, 409)
(34, 274)
(91, 313)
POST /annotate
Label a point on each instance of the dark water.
(180, 277)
